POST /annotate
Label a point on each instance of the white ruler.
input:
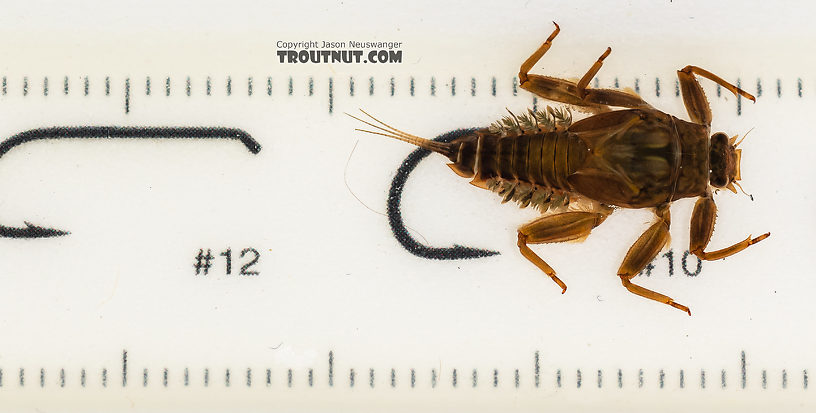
(207, 272)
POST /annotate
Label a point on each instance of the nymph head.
(724, 161)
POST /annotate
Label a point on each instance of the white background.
(332, 276)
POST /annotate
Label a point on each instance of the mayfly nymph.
(576, 173)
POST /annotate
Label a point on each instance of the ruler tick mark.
(331, 95)
(722, 378)
(269, 85)
(82, 377)
(45, 86)
(167, 86)
(86, 85)
(682, 379)
(42, 377)
(311, 86)
(249, 86)
(495, 378)
(229, 86)
(640, 378)
(472, 86)
(147, 86)
(433, 378)
(104, 377)
(127, 96)
(600, 378)
(620, 379)
(453, 86)
(107, 85)
(62, 378)
(739, 106)
(124, 368)
(784, 379)
(578, 379)
(536, 369)
(661, 378)
(351, 377)
(268, 377)
(743, 379)
(206, 377)
(393, 378)
(249, 377)
(413, 378)
(331, 369)
(188, 86)
(371, 378)
(186, 377)
(209, 86)
(453, 378)
(165, 374)
(764, 380)
(493, 86)
(393, 86)
(804, 379)
(311, 378)
(144, 378)
(433, 86)
(475, 378)
(371, 86)
(702, 379)
(65, 86)
(289, 378)
(411, 86)
(517, 378)
(25, 86)
(558, 378)
(227, 378)
(291, 86)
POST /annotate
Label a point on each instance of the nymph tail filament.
(392, 132)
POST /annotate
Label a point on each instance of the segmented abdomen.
(530, 168)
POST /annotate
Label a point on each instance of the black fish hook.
(457, 252)
(112, 132)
